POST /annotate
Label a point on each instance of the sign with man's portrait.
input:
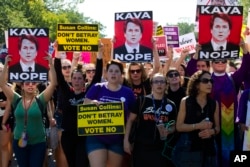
(219, 32)
(133, 33)
(214, 3)
(28, 48)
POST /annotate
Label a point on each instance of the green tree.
(246, 6)
(41, 13)
(185, 28)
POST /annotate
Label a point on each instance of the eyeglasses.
(66, 67)
(173, 74)
(206, 80)
(28, 83)
(90, 71)
(220, 61)
(158, 82)
(135, 71)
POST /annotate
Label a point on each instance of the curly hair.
(192, 88)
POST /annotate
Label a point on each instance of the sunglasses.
(173, 74)
(90, 71)
(158, 82)
(28, 83)
(206, 80)
(66, 67)
(135, 71)
(221, 61)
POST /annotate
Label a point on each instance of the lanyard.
(26, 108)
(157, 115)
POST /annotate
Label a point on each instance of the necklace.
(157, 114)
(26, 111)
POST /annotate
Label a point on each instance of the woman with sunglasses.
(66, 71)
(178, 65)
(175, 91)
(225, 90)
(29, 143)
(138, 79)
(72, 92)
(152, 112)
(198, 123)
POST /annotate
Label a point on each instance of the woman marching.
(29, 143)
(156, 116)
(198, 123)
(107, 150)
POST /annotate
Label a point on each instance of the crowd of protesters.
(179, 114)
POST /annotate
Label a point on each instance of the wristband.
(193, 126)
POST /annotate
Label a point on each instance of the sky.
(169, 11)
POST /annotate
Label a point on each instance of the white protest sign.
(187, 41)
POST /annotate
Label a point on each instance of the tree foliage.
(246, 6)
(41, 13)
(185, 28)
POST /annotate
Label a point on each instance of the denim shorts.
(93, 143)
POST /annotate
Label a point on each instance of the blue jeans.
(31, 155)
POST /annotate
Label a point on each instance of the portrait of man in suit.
(28, 47)
(133, 30)
(220, 29)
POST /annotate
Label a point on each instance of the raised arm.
(9, 93)
(75, 59)
(48, 92)
(169, 61)
(242, 73)
(192, 63)
(184, 54)
(157, 64)
(99, 66)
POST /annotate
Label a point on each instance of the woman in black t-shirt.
(151, 111)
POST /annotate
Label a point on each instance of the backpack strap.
(15, 104)
(39, 103)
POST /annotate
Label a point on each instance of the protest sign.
(28, 47)
(104, 119)
(187, 41)
(161, 45)
(78, 37)
(219, 32)
(172, 34)
(133, 36)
